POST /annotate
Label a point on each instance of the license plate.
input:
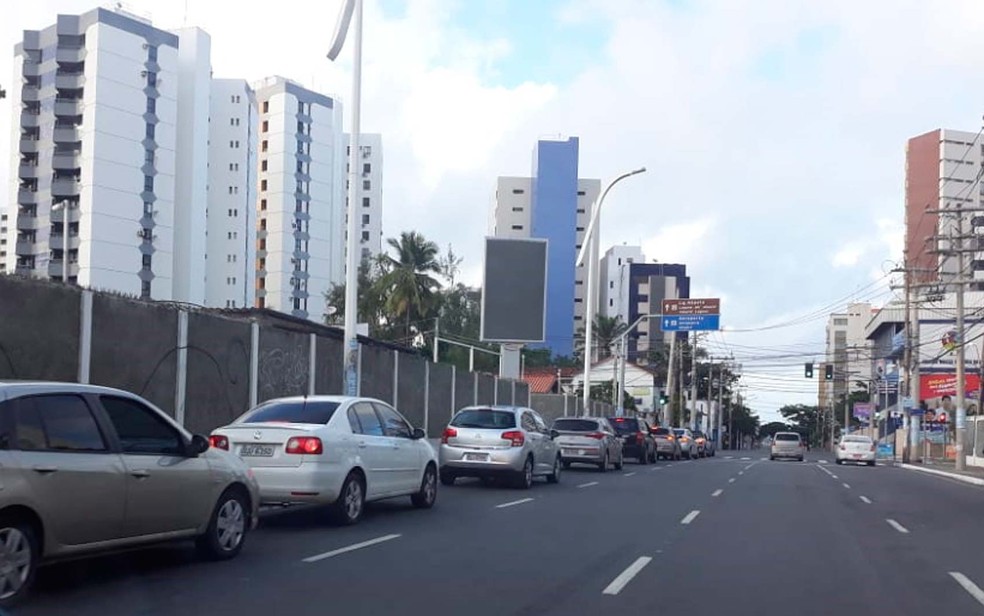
(477, 457)
(257, 451)
(857, 455)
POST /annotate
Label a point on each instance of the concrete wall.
(135, 346)
(552, 406)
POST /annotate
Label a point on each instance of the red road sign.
(707, 305)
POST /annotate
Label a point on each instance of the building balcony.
(31, 69)
(26, 196)
(24, 248)
(27, 223)
(23, 270)
(66, 135)
(66, 162)
(28, 146)
(30, 120)
(59, 215)
(30, 94)
(27, 171)
(70, 55)
(68, 107)
(55, 268)
(57, 241)
(73, 81)
(64, 187)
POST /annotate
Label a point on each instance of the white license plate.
(857, 455)
(477, 457)
(257, 451)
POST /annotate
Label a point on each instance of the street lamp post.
(620, 343)
(350, 9)
(588, 245)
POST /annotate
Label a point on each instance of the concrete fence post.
(454, 385)
(427, 385)
(565, 405)
(514, 393)
(254, 363)
(85, 336)
(475, 388)
(312, 362)
(495, 390)
(396, 378)
(181, 375)
(358, 381)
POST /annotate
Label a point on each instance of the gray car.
(588, 440)
(688, 444)
(499, 442)
(787, 445)
(88, 469)
(667, 445)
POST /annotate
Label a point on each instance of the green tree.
(602, 392)
(605, 332)
(371, 304)
(407, 284)
(772, 427)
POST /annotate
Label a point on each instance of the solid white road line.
(969, 586)
(626, 576)
(823, 462)
(512, 503)
(746, 458)
(825, 470)
(588, 485)
(866, 500)
(690, 517)
(732, 480)
(897, 526)
(350, 548)
(717, 492)
(847, 486)
(630, 474)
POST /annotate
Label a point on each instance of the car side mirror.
(199, 445)
(554, 434)
(418, 433)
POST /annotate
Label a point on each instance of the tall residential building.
(553, 205)
(848, 350)
(3, 241)
(301, 198)
(942, 172)
(371, 195)
(98, 133)
(615, 279)
(232, 233)
(648, 285)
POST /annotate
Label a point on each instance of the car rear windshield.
(292, 411)
(787, 437)
(662, 431)
(484, 418)
(857, 439)
(576, 425)
(679, 432)
(624, 425)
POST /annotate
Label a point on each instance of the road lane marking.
(847, 486)
(823, 462)
(626, 576)
(588, 485)
(762, 459)
(717, 492)
(834, 476)
(668, 465)
(656, 468)
(969, 586)
(690, 517)
(630, 474)
(825, 470)
(897, 526)
(740, 473)
(350, 548)
(732, 480)
(746, 458)
(513, 503)
(749, 466)
(729, 457)
(866, 500)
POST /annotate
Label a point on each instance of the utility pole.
(693, 384)
(720, 408)
(670, 383)
(907, 356)
(437, 337)
(961, 461)
(616, 386)
(621, 375)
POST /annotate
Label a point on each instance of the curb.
(955, 476)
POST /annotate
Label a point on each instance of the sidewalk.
(973, 475)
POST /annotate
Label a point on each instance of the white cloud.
(687, 242)
(847, 256)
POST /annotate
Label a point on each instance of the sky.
(773, 131)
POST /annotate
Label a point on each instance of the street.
(734, 534)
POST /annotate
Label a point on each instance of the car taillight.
(515, 437)
(304, 445)
(218, 441)
(640, 437)
(448, 433)
(596, 435)
(684, 439)
(670, 438)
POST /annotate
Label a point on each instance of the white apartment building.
(300, 199)
(848, 350)
(3, 241)
(98, 131)
(371, 192)
(230, 279)
(587, 192)
(615, 278)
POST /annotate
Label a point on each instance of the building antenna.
(186, 13)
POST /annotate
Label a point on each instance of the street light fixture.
(588, 245)
(350, 9)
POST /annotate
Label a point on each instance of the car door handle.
(44, 470)
(140, 474)
(362, 445)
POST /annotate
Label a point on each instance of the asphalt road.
(717, 536)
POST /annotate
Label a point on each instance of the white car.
(332, 450)
(856, 448)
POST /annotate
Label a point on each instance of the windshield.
(485, 419)
(662, 432)
(576, 425)
(858, 439)
(293, 411)
(787, 437)
(680, 432)
(623, 425)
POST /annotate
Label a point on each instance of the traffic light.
(663, 400)
(809, 370)
(828, 372)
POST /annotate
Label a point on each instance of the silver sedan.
(588, 440)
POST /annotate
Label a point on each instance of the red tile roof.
(541, 383)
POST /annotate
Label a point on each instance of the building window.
(263, 165)
(578, 300)
(237, 144)
(232, 121)
(151, 131)
(366, 168)
(149, 157)
(263, 184)
(365, 219)
(365, 201)
(151, 105)
(232, 144)
(230, 192)
(366, 185)
(152, 53)
(145, 289)
(517, 209)
(517, 191)
(611, 303)
(264, 145)
(148, 208)
(517, 227)
(365, 236)
(263, 205)
(266, 106)
(580, 210)
(148, 183)
(147, 261)
(265, 127)
(152, 79)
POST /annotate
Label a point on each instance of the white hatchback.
(856, 448)
(332, 450)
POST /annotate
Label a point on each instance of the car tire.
(603, 465)
(554, 476)
(801, 458)
(567, 466)
(872, 463)
(773, 458)
(447, 478)
(525, 479)
(644, 458)
(838, 461)
(427, 496)
(620, 463)
(652, 456)
(227, 528)
(351, 503)
(22, 538)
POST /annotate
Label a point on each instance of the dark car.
(637, 441)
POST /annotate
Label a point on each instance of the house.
(640, 382)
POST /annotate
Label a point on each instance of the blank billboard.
(514, 290)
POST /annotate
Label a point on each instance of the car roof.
(11, 388)
(320, 398)
(494, 407)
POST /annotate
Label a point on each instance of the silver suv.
(499, 441)
(85, 469)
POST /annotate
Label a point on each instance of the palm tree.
(407, 285)
(606, 333)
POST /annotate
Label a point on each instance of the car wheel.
(652, 456)
(347, 510)
(801, 458)
(644, 458)
(19, 556)
(427, 496)
(603, 466)
(838, 461)
(872, 463)
(447, 478)
(567, 466)
(525, 479)
(227, 529)
(554, 477)
(620, 463)
(772, 458)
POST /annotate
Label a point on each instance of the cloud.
(687, 242)
(848, 256)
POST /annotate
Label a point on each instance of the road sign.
(863, 410)
(708, 305)
(691, 322)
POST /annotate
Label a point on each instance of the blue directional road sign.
(691, 322)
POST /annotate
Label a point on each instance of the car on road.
(856, 448)
(588, 440)
(637, 441)
(494, 442)
(88, 469)
(667, 446)
(704, 445)
(787, 445)
(688, 444)
(338, 451)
